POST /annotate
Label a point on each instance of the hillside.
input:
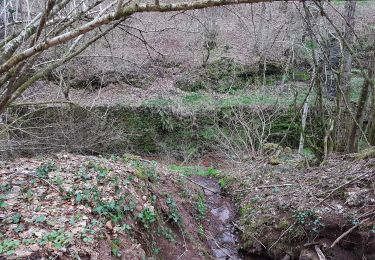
(187, 130)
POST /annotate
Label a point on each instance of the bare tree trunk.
(357, 122)
(343, 96)
(371, 128)
(350, 6)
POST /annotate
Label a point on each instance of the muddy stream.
(220, 232)
(222, 236)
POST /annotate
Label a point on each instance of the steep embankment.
(289, 211)
(77, 207)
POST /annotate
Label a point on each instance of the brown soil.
(315, 207)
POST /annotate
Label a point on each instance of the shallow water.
(220, 231)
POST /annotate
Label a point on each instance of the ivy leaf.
(311, 45)
(40, 219)
(16, 218)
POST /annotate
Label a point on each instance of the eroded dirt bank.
(288, 210)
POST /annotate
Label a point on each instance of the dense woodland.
(210, 129)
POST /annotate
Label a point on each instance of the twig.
(182, 254)
(282, 234)
(266, 186)
(347, 232)
(366, 214)
(185, 246)
(343, 185)
(220, 247)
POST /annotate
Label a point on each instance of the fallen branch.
(347, 232)
(223, 249)
(266, 186)
(282, 234)
(343, 185)
(320, 253)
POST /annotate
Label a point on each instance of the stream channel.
(222, 236)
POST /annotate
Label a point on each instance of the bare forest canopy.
(67, 43)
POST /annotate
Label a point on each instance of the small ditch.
(222, 236)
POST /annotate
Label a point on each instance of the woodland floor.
(81, 207)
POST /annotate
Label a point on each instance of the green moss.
(283, 224)
(194, 170)
(208, 133)
(274, 161)
(196, 99)
(364, 154)
(225, 182)
(301, 75)
(224, 75)
(356, 86)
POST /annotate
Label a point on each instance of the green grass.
(197, 99)
(194, 170)
(194, 101)
(257, 98)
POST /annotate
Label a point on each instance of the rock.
(287, 150)
(221, 253)
(221, 213)
(356, 196)
(40, 233)
(308, 254)
(23, 252)
(34, 247)
(228, 238)
(274, 161)
(109, 225)
(271, 147)
(76, 230)
(82, 223)
(138, 208)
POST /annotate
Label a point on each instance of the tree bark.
(358, 121)
(350, 6)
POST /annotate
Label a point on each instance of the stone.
(308, 254)
(356, 196)
(109, 225)
(23, 252)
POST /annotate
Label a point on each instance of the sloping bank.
(290, 211)
(84, 207)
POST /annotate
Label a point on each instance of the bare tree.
(64, 23)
